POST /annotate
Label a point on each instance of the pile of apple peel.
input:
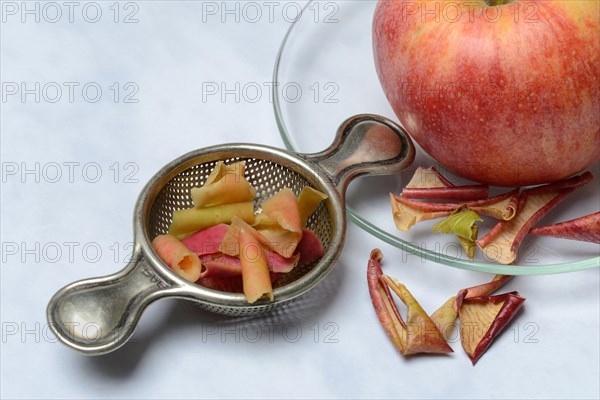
(517, 213)
(482, 315)
(223, 243)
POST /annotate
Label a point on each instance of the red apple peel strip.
(230, 241)
(485, 289)
(585, 229)
(464, 193)
(483, 318)
(506, 236)
(385, 308)
(230, 246)
(428, 183)
(309, 249)
(502, 206)
(206, 241)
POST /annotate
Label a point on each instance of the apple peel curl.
(428, 183)
(462, 193)
(445, 316)
(230, 246)
(256, 279)
(462, 224)
(483, 318)
(585, 229)
(226, 184)
(280, 222)
(502, 242)
(179, 258)
(418, 334)
(408, 212)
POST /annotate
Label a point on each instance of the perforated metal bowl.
(365, 144)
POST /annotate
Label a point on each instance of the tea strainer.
(110, 306)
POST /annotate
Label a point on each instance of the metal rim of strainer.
(225, 301)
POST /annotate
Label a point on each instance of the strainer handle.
(98, 315)
(365, 144)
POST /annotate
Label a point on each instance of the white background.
(329, 344)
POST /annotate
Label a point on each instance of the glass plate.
(324, 73)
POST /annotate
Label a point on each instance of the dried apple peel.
(422, 334)
(283, 210)
(385, 308)
(483, 318)
(445, 316)
(585, 229)
(457, 193)
(502, 207)
(406, 215)
(462, 224)
(178, 257)
(502, 242)
(428, 183)
(419, 334)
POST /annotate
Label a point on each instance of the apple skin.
(506, 95)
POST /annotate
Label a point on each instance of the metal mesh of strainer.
(268, 177)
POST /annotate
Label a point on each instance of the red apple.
(501, 92)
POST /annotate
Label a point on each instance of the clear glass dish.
(324, 73)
